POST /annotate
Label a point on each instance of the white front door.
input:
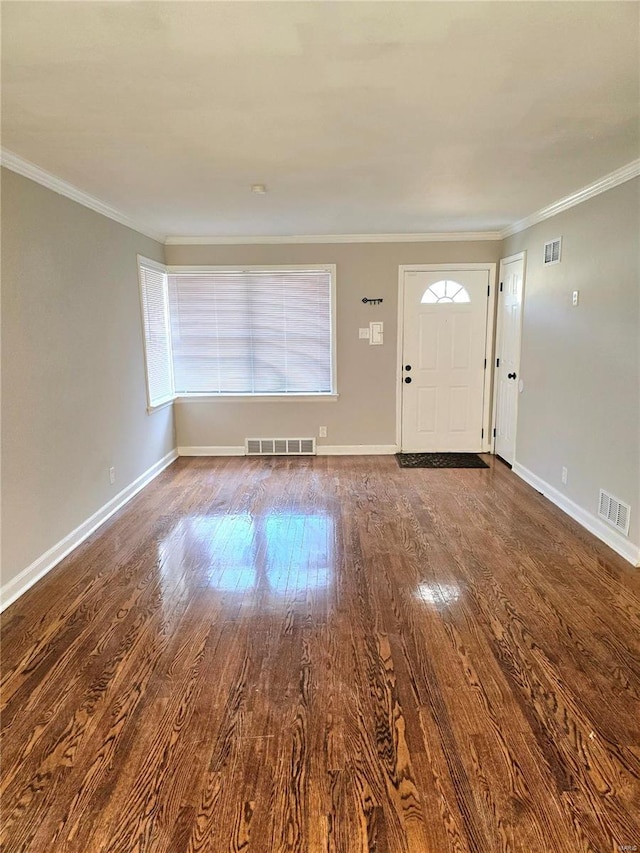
(508, 355)
(443, 359)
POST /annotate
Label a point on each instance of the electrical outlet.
(322, 432)
(575, 299)
(112, 475)
(564, 475)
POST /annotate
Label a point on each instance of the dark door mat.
(440, 460)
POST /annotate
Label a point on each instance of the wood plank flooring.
(326, 655)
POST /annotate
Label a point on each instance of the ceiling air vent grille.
(553, 251)
(615, 512)
(280, 446)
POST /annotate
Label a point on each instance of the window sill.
(257, 398)
(152, 409)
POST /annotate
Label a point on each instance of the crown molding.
(35, 173)
(432, 237)
(608, 182)
(29, 170)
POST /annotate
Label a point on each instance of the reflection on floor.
(271, 555)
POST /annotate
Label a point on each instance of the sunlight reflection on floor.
(278, 553)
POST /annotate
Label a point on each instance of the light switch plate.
(376, 336)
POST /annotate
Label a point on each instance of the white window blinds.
(157, 341)
(251, 332)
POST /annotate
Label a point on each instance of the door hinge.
(485, 364)
(494, 432)
(488, 289)
(482, 433)
(497, 362)
(500, 287)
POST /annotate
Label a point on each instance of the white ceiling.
(360, 117)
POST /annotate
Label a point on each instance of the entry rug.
(440, 460)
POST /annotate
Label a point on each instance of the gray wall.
(73, 388)
(366, 410)
(580, 366)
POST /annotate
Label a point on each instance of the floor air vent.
(280, 446)
(614, 511)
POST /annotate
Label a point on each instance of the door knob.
(407, 367)
(511, 376)
(407, 379)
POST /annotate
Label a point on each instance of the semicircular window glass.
(446, 291)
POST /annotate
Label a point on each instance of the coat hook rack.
(371, 301)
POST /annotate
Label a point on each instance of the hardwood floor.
(326, 655)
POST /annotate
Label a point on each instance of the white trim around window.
(156, 333)
(155, 299)
(257, 398)
(322, 396)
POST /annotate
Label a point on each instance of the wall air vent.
(614, 511)
(552, 251)
(280, 446)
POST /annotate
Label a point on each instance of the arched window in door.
(446, 291)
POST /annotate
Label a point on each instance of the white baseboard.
(321, 450)
(592, 523)
(221, 450)
(12, 590)
(356, 449)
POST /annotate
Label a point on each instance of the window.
(249, 332)
(155, 319)
(446, 291)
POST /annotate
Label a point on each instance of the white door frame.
(517, 257)
(491, 310)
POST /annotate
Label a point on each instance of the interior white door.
(508, 356)
(443, 367)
